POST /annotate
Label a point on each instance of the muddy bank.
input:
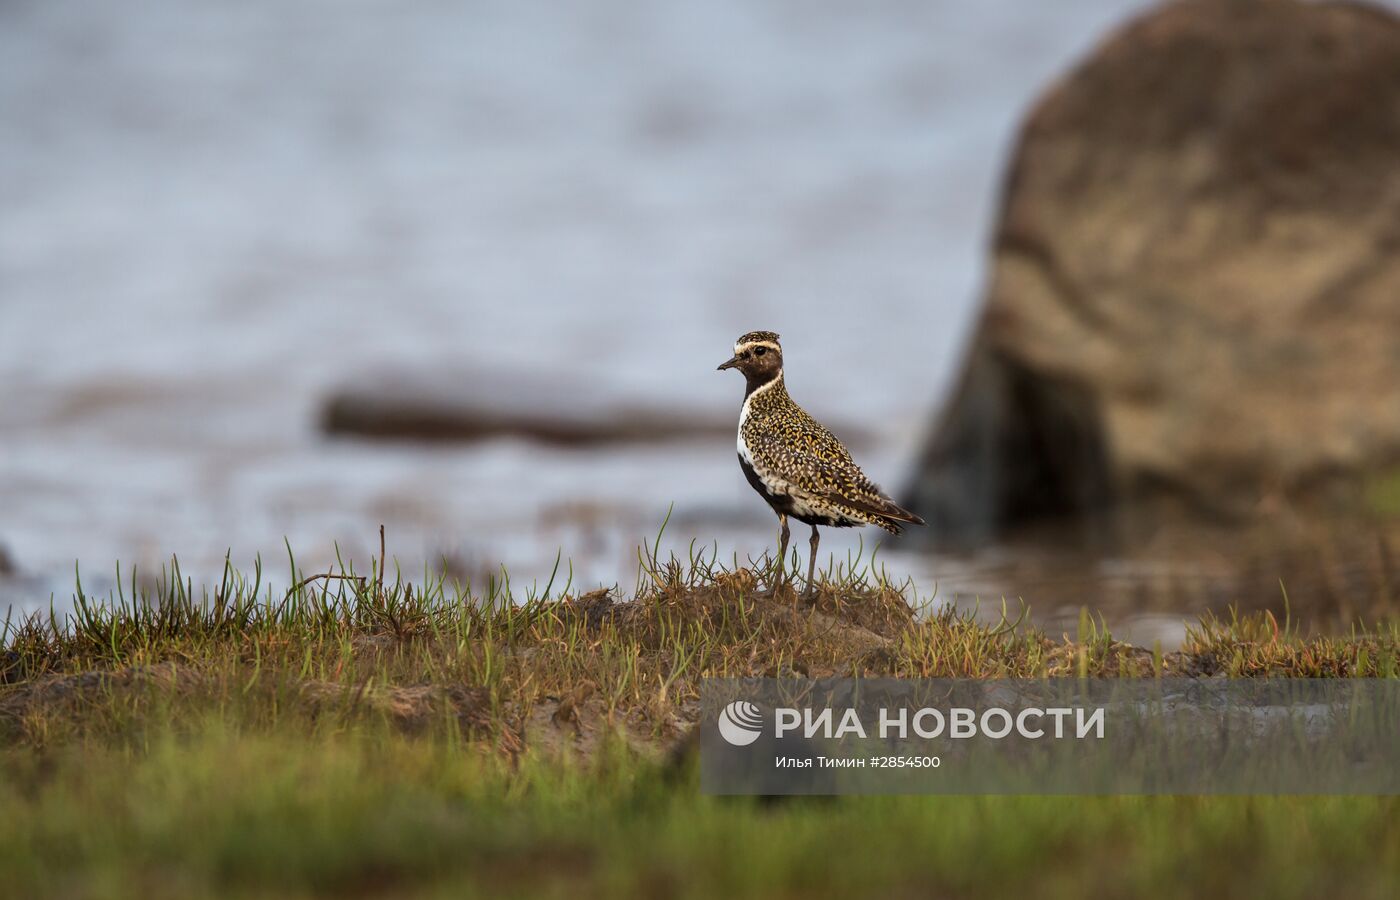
(476, 406)
(560, 412)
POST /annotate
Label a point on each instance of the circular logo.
(740, 723)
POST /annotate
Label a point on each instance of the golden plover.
(798, 466)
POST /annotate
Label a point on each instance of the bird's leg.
(782, 552)
(812, 564)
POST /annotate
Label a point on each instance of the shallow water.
(215, 213)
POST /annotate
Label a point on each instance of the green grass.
(1381, 493)
(364, 735)
(220, 809)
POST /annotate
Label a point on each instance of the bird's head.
(758, 355)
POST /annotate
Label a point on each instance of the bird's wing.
(815, 462)
(799, 431)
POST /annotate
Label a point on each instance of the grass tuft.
(359, 732)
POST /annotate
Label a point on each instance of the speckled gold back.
(793, 454)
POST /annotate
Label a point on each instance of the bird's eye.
(760, 351)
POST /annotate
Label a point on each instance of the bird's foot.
(777, 587)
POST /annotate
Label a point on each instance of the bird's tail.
(884, 512)
(895, 524)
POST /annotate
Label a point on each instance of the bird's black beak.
(731, 363)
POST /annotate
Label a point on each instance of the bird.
(794, 462)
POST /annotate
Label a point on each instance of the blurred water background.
(215, 214)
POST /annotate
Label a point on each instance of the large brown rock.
(1196, 284)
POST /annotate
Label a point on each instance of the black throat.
(756, 380)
